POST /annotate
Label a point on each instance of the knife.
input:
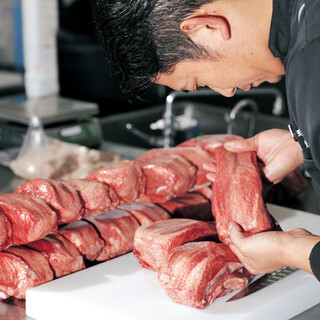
(262, 282)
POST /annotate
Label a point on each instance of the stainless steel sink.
(211, 120)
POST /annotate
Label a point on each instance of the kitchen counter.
(15, 309)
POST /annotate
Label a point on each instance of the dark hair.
(142, 38)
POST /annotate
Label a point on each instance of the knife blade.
(262, 282)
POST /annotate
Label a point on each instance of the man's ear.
(193, 24)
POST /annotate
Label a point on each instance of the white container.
(40, 26)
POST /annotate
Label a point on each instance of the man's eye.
(185, 91)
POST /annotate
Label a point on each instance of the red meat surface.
(237, 194)
(23, 219)
(22, 269)
(116, 228)
(209, 142)
(94, 195)
(146, 212)
(126, 178)
(153, 242)
(196, 273)
(64, 199)
(167, 177)
(64, 258)
(196, 156)
(191, 206)
(84, 237)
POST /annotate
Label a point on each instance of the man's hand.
(276, 148)
(268, 251)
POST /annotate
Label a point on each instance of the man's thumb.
(241, 145)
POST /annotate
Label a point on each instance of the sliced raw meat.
(24, 218)
(64, 258)
(94, 195)
(191, 206)
(126, 178)
(146, 212)
(209, 142)
(196, 273)
(84, 237)
(167, 177)
(152, 242)
(237, 194)
(22, 269)
(196, 156)
(64, 199)
(116, 228)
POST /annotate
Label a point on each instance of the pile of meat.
(50, 228)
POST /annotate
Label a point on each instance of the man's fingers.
(211, 177)
(236, 234)
(242, 145)
(210, 166)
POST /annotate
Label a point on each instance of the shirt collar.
(280, 27)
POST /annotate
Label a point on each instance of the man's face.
(224, 75)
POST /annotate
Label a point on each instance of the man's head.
(222, 44)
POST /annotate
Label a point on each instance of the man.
(225, 45)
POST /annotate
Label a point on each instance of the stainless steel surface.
(262, 282)
(50, 109)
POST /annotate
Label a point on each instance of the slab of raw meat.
(209, 142)
(126, 178)
(84, 237)
(152, 242)
(24, 218)
(22, 269)
(64, 258)
(196, 156)
(191, 205)
(116, 228)
(167, 177)
(146, 212)
(64, 199)
(237, 194)
(196, 273)
(94, 195)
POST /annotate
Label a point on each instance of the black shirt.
(295, 39)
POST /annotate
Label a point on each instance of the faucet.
(170, 123)
(242, 104)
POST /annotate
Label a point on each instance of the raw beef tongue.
(167, 177)
(191, 205)
(84, 237)
(237, 194)
(22, 269)
(125, 178)
(196, 273)
(116, 228)
(24, 218)
(94, 195)
(196, 156)
(64, 258)
(146, 212)
(152, 242)
(64, 199)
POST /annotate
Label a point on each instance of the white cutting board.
(121, 289)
